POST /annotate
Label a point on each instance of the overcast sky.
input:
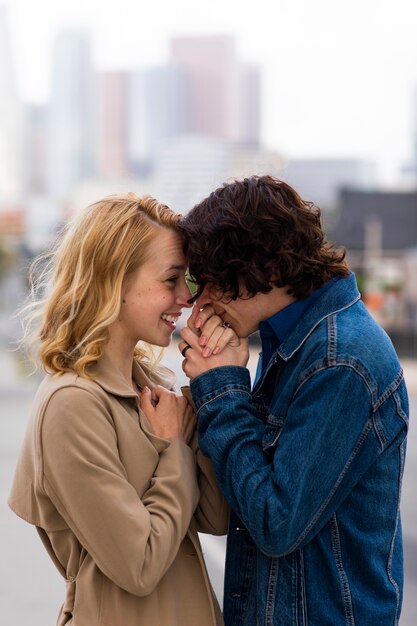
(339, 76)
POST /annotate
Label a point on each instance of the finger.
(183, 346)
(154, 398)
(189, 337)
(227, 338)
(157, 392)
(160, 394)
(145, 399)
(187, 368)
(192, 318)
(209, 328)
(213, 341)
(203, 315)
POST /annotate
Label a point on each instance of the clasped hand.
(212, 343)
(170, 415)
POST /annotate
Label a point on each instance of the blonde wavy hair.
(77, 294)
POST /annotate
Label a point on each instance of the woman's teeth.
(170, 318)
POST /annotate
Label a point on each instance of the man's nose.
(204, 298)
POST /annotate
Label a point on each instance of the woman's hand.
(170, 416)
(212, 344)
(213, 334)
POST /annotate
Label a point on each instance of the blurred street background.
(171, 100)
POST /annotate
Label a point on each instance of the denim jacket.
(311, 461)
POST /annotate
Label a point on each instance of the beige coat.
(117, 508)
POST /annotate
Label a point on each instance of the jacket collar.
(107, 376)
(340, 295)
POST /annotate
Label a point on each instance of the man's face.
(245, 313)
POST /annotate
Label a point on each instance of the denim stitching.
(275, 425)
(286, 358)
(222, 393)
(379, 430)
(363, 373)
(390, 390)
(271, 592)
(356, 449)
(331, 343)
(378, 425)
(303, 588)
(337, 552)
(296, 590)
(400, 411)
(321, 366)
(389, 568)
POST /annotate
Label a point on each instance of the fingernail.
(203, 340)
(207, 352)
(216, 350)
(197, 323)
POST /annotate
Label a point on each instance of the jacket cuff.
(217, 381)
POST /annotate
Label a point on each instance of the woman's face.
(154, 295)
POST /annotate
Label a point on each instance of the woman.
(109, 472)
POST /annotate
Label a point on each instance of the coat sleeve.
(212, 513)
(132, 539)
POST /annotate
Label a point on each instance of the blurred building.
(249, 131)
(320, 180)
(203, 91)
(156, 113)
(36, 148)
(71, 119)
(222, 94)
(174, 131)
(395, 211)
(191, 166)
(112, 130)
(11, 120)
(379, 231)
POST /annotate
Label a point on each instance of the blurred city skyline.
(337, 81)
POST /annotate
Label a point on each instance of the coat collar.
(341, 295)
(107, 376)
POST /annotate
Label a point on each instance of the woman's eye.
(172, 279)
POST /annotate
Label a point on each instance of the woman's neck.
(121, 354)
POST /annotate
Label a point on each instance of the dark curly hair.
(251, 235)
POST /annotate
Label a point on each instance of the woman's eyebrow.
(175, 267)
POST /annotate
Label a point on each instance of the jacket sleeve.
(132, 539)
(286, 483)
(212, 513)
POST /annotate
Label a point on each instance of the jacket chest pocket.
(272, 432)
(273, 423)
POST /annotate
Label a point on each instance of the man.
(311, 458)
